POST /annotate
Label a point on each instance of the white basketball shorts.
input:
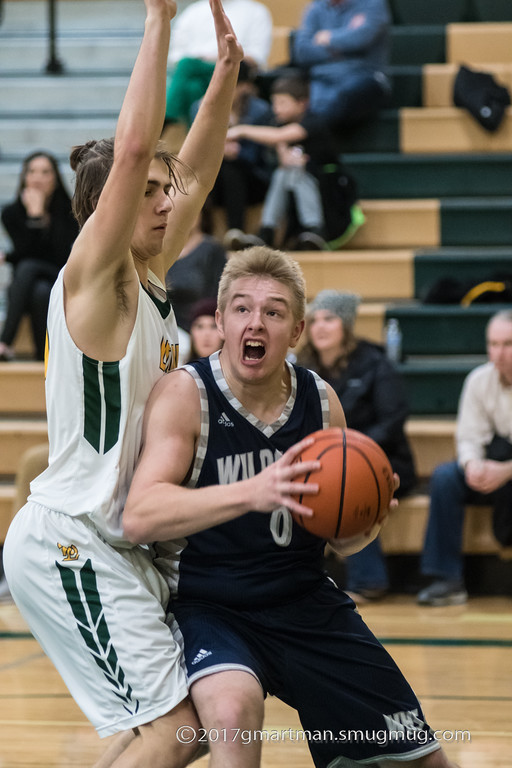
(99, 614)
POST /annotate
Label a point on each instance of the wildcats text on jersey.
(241, 466)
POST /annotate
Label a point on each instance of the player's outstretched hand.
(228, 47)
(275, 485)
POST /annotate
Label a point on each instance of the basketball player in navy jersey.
(216, 485)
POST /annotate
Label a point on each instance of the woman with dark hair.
(42, 230)
(373, 397)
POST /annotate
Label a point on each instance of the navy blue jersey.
(258, 558)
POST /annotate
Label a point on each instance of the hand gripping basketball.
(355, 483)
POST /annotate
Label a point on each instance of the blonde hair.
(262, 261)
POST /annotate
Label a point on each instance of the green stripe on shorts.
(82, 594)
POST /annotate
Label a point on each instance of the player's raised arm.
(203, 148)
(105, 266)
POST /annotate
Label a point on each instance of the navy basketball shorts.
(317, 655)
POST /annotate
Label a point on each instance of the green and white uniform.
(92, 599)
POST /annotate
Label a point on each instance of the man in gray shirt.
(482, 473)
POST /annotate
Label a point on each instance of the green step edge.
(394, 176)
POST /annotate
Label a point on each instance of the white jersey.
(95, 412)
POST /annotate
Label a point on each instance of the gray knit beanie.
(342, 304)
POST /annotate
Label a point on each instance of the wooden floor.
(458, 660)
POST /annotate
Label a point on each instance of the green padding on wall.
(492, 10)
(428, 12)
(380, 134)
(476, 221)
(429, 329)
(476, 264)
(406, 84)
(418, 45)
(433, 387)
(383, 175)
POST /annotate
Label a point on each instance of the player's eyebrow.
(268, 299)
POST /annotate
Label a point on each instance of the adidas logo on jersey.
(223, 419)
(201, 655)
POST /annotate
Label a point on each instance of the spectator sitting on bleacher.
(42, 230)
(344, 46)
(193, 52)
(482, 473)
(310, 194)
(244, 175)
(205, 336)
(372, 394)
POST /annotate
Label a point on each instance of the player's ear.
(220, 323)
(296, 333)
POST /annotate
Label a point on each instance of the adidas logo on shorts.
(201, 655)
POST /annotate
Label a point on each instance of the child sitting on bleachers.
(308, 174)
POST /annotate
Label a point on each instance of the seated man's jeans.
(449, 494)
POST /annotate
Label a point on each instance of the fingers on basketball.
(355, 483)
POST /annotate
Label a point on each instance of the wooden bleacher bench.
(404, 531)
(438, 80)
(479, 43)
(252, 216)
(280, 50)
(432, 442)
(7, 493)
(24, 343)
(391, 225)
(14, 495)
(16, 436)
(374, 274)
(22, 388)
(398, 224)
(286, 12)
(450, 129)
(22, 425)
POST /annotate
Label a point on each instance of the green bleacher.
(441, 343)
(395, 175)
(477, 264)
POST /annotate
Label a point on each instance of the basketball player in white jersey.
(93, 600)
(256, 611)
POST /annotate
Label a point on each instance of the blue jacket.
(363, 49)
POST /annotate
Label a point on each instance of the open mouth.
(253, 350)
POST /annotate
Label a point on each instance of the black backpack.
(480, 94)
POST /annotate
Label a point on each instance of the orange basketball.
(355, 483)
